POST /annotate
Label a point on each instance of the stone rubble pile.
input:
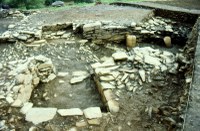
(27, 74)
(130, 70)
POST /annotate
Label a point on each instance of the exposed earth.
(151, 81)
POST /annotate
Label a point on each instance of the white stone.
(133, 24)
(142, 75)
(145, 32)
(9, 99)
(107, 78)
(70, 112)
(92, 112)
(120, 56)
(11, 26)
(152, 60)
(26, 107)
(39, 42)
(66, 35)
(39, 115)
(79, 73)
(77, 79)
(107, 86)
(17, 103)
(62, 74)
(94, 122)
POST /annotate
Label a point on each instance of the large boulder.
(58, 3)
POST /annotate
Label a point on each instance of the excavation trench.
(150, 84)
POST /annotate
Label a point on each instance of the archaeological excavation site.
(108, 67)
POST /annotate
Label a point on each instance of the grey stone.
(58, 3)
(92, 112)
(39, 115)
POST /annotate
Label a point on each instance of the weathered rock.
(9, 99)
(70, 112)
(38, 115)
(120, 56)
(11, 26)
(107, 78)
(133, 24)
(62, 74)
(38, 42)
(142, 75)
(17, 103)
(92, 112)
(77, 79)
(58, 3)
(106, 85)
(152, 60)
(94, 122)
(66, 35)
(81, 123)
(92, 26)
(26, 107)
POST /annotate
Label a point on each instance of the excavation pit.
(150, 82)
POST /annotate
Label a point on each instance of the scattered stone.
(77, 79)
(38, 115)
(106, 85)
(73, 129)
(107, 78)
(81, 123)
(58, 3)
(38, 42)
(33, 128)
(11, 26)
(142, 75)
(17, 103)
(92, 112)
(133, 24)
(120, 56)
(26, 107)
(70, 112)
(94, 122)
(152, 60)
(62, 74)
(9, 99)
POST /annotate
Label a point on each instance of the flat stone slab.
(70, 112)
(120, 56)
(92, 112)
(37, 115)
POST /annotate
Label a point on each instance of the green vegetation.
(33, 4)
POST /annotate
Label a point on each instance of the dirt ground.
(157, 106)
